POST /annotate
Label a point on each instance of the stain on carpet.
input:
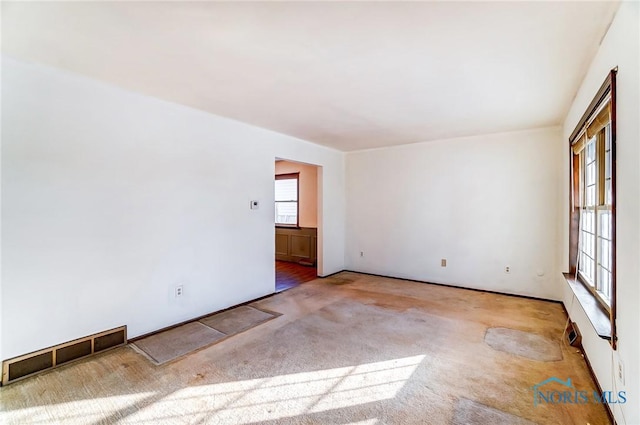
(468, 412)
(524, 344)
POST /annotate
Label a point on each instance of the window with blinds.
(592, 232)
(286, 197)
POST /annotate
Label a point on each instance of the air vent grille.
(29, 364)
(73, 352)
(107, 341)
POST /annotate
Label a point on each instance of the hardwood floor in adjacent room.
(347, 349)
(289, 275)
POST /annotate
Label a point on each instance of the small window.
(592, 231)
(286, 196)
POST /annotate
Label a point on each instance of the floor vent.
(24, 366)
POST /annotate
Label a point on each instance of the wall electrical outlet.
(362, 253)
(620, 371)
(443, 262)
(507, 269)
(179, 291)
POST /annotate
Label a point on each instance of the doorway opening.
(298, 204)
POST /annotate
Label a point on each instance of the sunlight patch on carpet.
(86, 411)
(283, 396)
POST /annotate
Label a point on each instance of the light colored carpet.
(469, 412)
(375, 351)
(169, 345)
(172, 344)
(341, 281)
(525, 344)
(237, 320)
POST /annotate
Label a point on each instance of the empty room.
(320, 212)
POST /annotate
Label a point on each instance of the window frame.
(596, 209)
(290, 176)
(606, 94)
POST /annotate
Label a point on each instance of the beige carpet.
(238, 319)
(368, 351)
(525, 344)
(469, 412)
(174, 343)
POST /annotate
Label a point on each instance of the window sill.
(599, 319)
(287, 226)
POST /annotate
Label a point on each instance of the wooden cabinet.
(297, 244)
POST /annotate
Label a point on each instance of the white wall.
(110, 198)
(620, 47)
(483, 203)
(308, 188)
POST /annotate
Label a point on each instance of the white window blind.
(286, 197)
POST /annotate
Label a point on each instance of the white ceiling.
(348, 75)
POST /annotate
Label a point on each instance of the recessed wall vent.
(29, 364)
